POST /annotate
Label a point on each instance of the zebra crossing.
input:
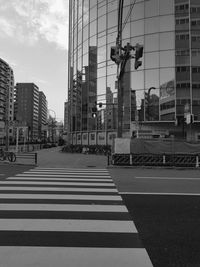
(66, 217)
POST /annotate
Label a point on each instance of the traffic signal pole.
(120, 55)
(119, 73)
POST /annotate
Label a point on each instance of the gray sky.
(34, 41)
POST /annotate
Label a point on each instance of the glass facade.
(166, 85)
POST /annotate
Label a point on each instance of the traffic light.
(138, 55)
(114, 54)
(94, 112)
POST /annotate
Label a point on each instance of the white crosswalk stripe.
(71, 212)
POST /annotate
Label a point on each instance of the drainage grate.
(90, 166)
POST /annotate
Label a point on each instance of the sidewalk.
(53, 157)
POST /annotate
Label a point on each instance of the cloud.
(6, 27)
(30, 20)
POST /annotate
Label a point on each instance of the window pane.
(166, 7)
(152, 78)
(138, 11)
(152, 60)
(167, 40)
(151, 8)
(137, 28)
(152, 25)
(151, 42)
(167, 23)
(102, 24)
(167, 59)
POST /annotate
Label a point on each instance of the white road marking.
(167, 178)
(75, 189)
(67, 173)
(74, 256)
(54, 183)
(61, 175)
(65, 197)
(64, 207)
(160, 193)
(67, 225)
(70, 169)
(59, 179)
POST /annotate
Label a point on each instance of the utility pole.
(120, 55)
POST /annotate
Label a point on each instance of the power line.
(129, 13)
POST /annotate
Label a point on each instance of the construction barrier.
(27, 157)
(165, 160)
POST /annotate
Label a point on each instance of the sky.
(34, 42)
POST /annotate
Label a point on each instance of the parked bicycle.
(7, 155)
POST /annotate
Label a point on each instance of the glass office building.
(159, 93)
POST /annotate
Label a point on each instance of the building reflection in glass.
(170, 33)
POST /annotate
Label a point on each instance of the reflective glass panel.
(101, 72)
(93, 28)
(151, 78)
(93, 41)
(167, 23)
(101, 85)
(102, 24)
(166, 7)
(152, 25)
(138, 11)
(167, 40)
(101, 11)
(151, 42)
(85, 33)
(85, 6)
(151, 8)
(112, 69)
(112, 6)
(93, 13)
(167, 75)
(111, 83)
(93, 3)
(137, 28)
(167, 58)
(112, 19)
(152, 60)
(102, 40)
(101, 54)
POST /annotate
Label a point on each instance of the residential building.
(42, 116)
(167, 85)
(6, 101)
(27, 108)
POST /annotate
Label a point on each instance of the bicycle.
(7, 155)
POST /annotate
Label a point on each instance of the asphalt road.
(7, 170)
(165, 206)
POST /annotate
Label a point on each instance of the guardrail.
(164, 160)
(28, 156)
